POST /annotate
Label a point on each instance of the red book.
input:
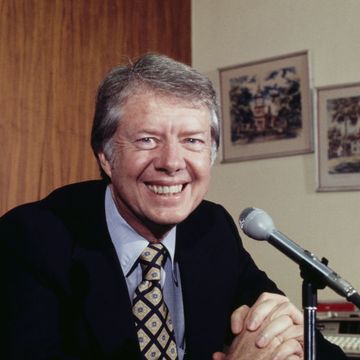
(335, 306)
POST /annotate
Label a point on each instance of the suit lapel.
(100, 284)
(106, 302)
(204, 323)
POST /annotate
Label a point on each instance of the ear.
(105, 164)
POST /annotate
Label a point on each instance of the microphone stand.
(311, 283)
(315, 273)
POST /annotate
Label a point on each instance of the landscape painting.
(265, 108)
(339, 137)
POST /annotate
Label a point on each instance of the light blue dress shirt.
(129, 245)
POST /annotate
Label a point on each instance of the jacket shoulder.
(60, 211)
(68, 195)
(76, 195)
(209, 215)
(43, 233)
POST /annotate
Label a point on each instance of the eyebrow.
(193, 132)
(185, 132)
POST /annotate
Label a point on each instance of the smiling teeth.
(174, 189)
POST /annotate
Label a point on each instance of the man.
(74, 265)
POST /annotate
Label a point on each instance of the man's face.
(160, 167)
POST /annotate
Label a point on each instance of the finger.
(282, 328)
(290, 310)
(218, 356)
(274, 329)
(238, 319)
(294, 332)
(291, 357)
(290, 349)
(262, 308)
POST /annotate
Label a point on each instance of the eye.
(194, 141)
(147, 142)
(147, 139)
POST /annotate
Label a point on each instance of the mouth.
(166, 190)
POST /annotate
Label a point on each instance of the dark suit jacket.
(66, 297)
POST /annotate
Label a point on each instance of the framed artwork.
(266, 108)
(338, 120)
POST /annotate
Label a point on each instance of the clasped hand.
(272, 329)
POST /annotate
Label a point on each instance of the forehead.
(145, 107)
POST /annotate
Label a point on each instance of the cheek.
(129, 166)
(202, 165)
(206, 182)
(202, 172)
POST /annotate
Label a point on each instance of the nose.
(170, 159)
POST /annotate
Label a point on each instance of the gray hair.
(159, 74)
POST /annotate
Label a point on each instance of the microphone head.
(256, 223)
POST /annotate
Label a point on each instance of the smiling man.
(138, 265)
(159, 162)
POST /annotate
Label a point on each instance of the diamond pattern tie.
(152, 318)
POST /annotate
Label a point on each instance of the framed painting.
(266, 108)
(338, 124)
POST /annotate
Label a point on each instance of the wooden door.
(53, 53)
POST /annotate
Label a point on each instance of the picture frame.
(338, 137)
(266, 108)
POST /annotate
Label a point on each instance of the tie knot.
(151, 260)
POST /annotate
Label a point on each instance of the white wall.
(231, 32)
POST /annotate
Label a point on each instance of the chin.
(170, 220)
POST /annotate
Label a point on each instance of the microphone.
(257, 224)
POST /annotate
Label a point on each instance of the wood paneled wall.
(53, 53)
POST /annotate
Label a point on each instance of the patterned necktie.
(152, 318)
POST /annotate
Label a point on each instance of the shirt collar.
(127, 242)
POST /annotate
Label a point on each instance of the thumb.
(218, 356)
(238, 319)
